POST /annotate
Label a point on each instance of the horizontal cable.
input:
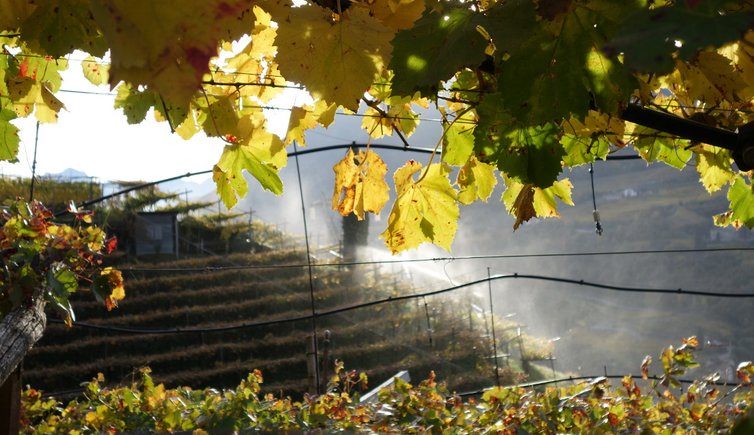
(437, 259)
(195, 330)
(593, 379)
(290, 154)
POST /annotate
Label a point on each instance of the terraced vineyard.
(379, 340)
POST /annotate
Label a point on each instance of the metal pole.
(34, 165)
(494, 338)
(311, 276)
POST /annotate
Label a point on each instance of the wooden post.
(10, 403)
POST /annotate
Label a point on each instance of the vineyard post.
(10, 403)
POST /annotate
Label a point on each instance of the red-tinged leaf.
(111, 244)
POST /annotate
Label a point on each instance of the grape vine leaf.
(458, 140)
(335, 59)
(525, 201)
(13, 13)
(710, 78)
(166, 49)
(9, 140)
(380, 123)
(741, 210)
(397, 14)
(586, 141)
(31, 84)
(654, 145)
(528, 154)
(713, 166)
(307, 117)
(58, 27)
(360, 185)
(557, 72)
(425, 210)
(97, 73)
(648, 38)
(476, 180)
(258, 152)
(135, 103)
(108, 287)
(435, 48)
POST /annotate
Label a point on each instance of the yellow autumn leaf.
(29, 96)
(166, 49)
(397, 14)
(476, 180)
(307, 117)
(336, 60)
(425, 210)
(97, 73)
(360, 185)
(525, 201)
(713, 167)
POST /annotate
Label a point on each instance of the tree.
(525, 88)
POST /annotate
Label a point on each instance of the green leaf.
(135, 103)
(647, 38)
(580, 150)
(530, 155)
(654, 145)
(557, 72)
(437, 46)
(425, 210)
(741, 210)
(258, 152)
(458, 140)
(62, 281)
(59, 27)
(9, 140)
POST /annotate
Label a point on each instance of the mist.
(593, 331)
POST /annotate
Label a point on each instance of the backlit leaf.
(653, 145)
(741, 211)
(458, 140)
(360, 185)
(97, 73)
(525, 201)
(713, 166)
(435, 48)
(591, 139)
(307, 117)
(135, 103)
(58, 27)
(649, 37)
(425, 210)
(258, 152)
(166, 49)
(476, 180)
(397, 14)
(108, 287)
(530, 155)
(9, 139)
(336, 60)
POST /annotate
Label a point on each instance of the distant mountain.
(69, 174)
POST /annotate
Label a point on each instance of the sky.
(93, 137)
